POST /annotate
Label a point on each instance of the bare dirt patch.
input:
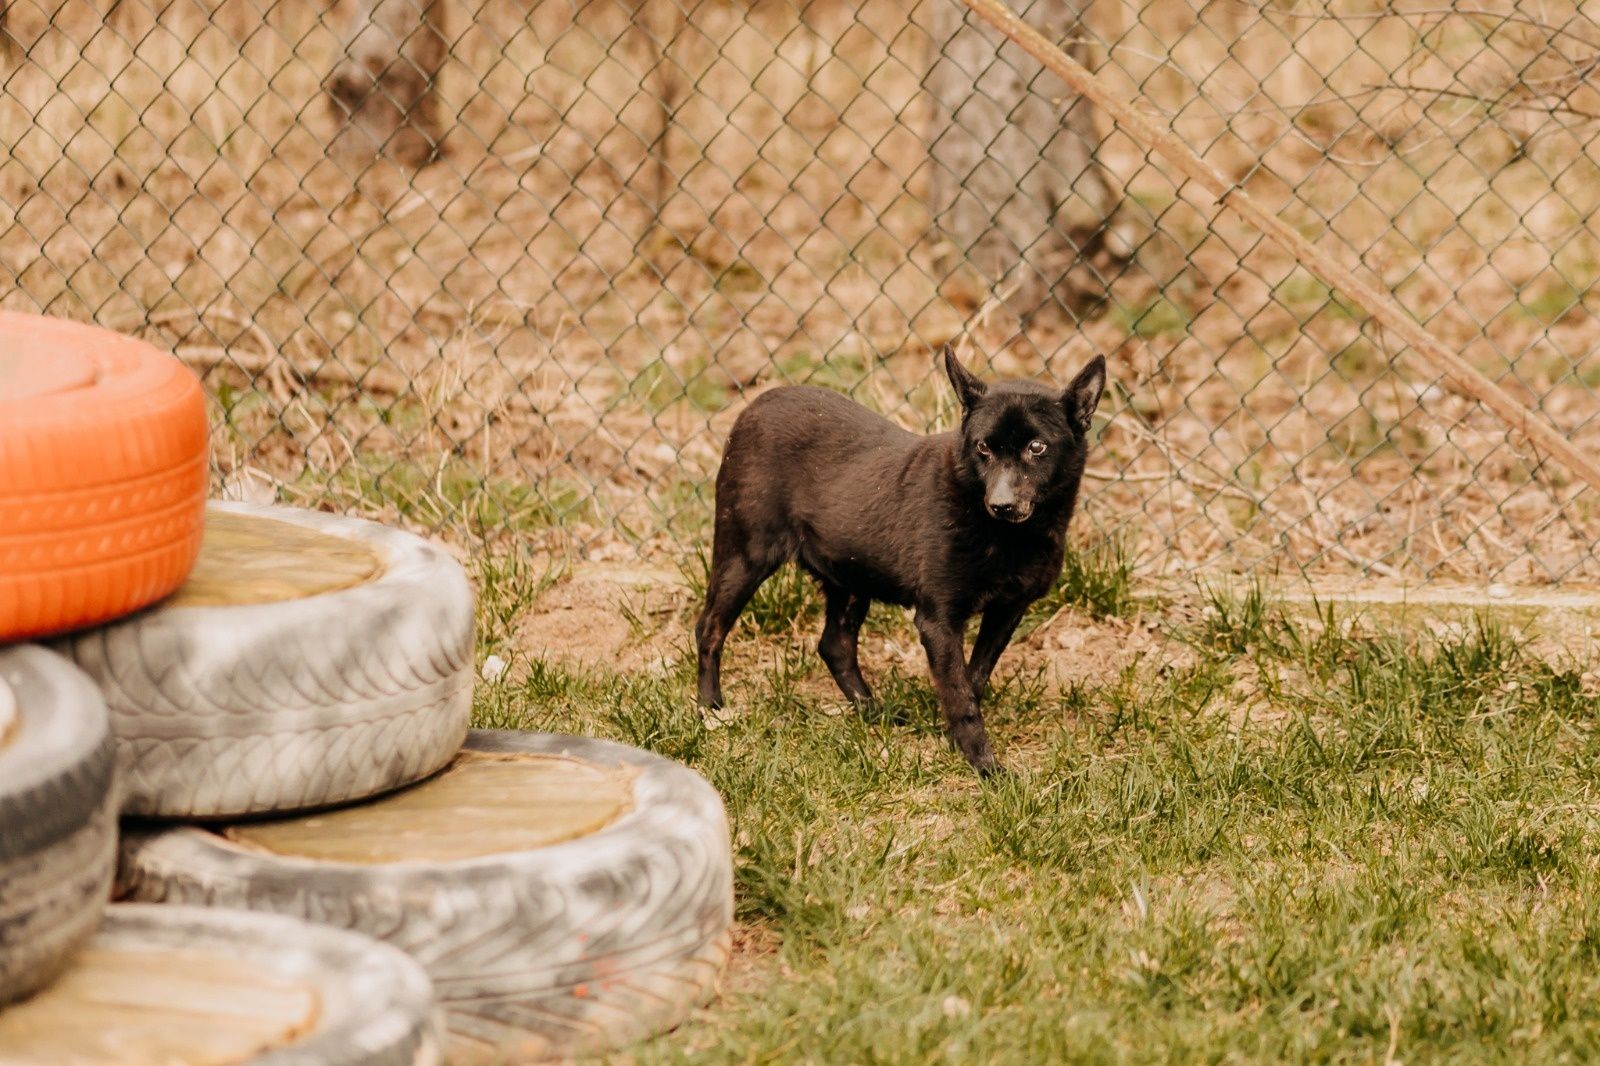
(619, 616)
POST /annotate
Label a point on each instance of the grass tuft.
(1237, 624)
(1096, 579)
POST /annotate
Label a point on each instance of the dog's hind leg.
(846, 611)
(734, 579)
(994, 633)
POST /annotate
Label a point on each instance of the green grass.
(1553, 302)
(1291, 840)
(1159, 317)
(1307, 297)
(1357, 436)
(1096, 579)
(1359, 361)
(445, 493)
(659, 386)
(840, 372)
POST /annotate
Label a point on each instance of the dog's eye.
(1036, 447)
(983, 450)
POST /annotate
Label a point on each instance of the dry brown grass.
(511, 335)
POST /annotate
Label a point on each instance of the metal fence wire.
(515, 265)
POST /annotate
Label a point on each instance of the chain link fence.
(513, 266)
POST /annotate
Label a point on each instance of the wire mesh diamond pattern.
(512, 267)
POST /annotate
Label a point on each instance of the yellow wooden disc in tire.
(248, 559)
(482, 804)
(116, 1006)
(203, 986)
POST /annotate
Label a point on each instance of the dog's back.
(799, 421)
(804, 458)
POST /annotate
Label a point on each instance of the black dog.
(953, 524)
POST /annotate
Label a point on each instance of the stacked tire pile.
(274, 704)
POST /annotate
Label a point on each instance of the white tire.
(58, 810)
(242, 696)
(575, 947)
(194, 984)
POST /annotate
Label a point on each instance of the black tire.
(572, 948)
(57, 815)
(224, 711)
(369, 1004)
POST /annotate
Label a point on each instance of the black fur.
(969, 522)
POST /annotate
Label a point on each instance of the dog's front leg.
(999, 622)
(941, 639)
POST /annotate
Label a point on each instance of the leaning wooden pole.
(1369, 296)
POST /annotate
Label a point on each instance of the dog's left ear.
(969, 390)
(1083, 395)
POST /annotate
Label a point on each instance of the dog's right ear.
(969, 390)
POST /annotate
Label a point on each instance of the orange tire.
(103, 474)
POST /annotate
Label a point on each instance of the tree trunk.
(384, 87)
(655, 28)
(1016, 187)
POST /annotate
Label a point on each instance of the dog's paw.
(714, 718)
(981, 757)
(996, 774)
(990, 771)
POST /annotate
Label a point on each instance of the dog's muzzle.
(1010, 512)
(1000, 497)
